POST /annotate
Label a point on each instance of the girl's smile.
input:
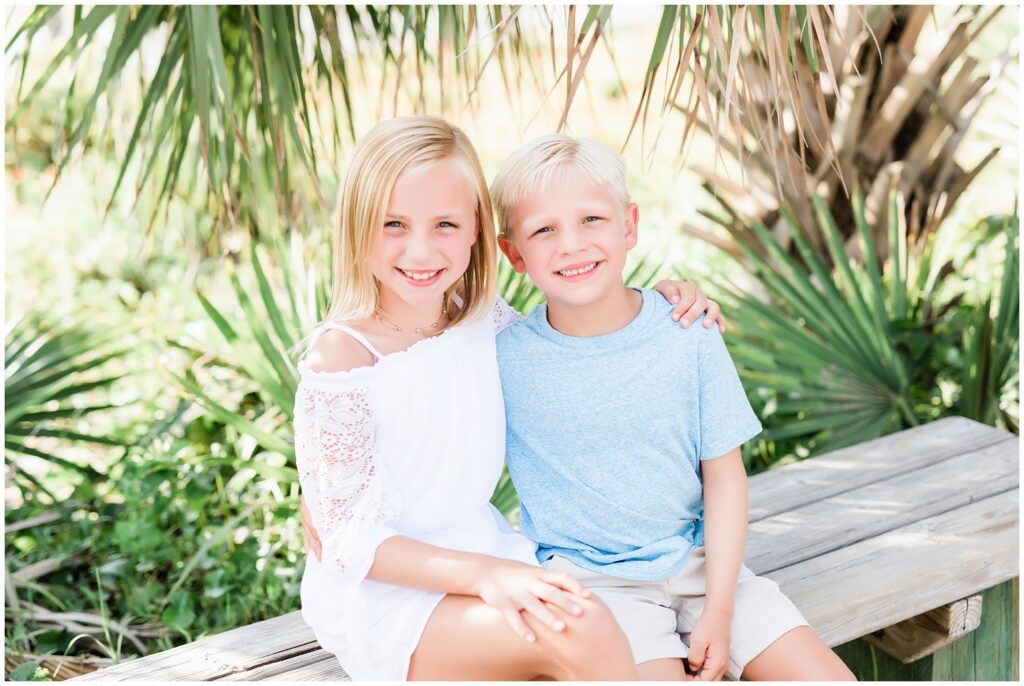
(430, 226)
(421, 277)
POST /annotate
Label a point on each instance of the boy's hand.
(312, 541)
(709, 646)
(513, 587)
(690, 302)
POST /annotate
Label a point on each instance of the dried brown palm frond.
(890, 112)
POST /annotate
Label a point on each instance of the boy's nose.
(570, 241)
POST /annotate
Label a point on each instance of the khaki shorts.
(658, 616)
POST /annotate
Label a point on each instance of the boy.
(651, 418)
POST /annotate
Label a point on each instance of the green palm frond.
(54, 378)
(237, 88)
(824, 343)
(991, 345)
(273, 307)
(841, 353)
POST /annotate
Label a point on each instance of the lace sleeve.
(503, 315)
(346, 490)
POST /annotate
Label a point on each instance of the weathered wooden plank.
(317, 665)
(218, 656)
(801, 483)
(922, 635)
(884, 580)
(787, 538)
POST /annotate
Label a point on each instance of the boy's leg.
(798, 655)
(642, 611)
(765, 623)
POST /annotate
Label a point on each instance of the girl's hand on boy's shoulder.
(690, 302)
(709, 646)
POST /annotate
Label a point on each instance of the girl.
(399, 440)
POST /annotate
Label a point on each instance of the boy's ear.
(632, 225)
(515, 258)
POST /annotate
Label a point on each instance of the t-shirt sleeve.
(726, 418)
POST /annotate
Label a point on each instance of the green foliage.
(991, 346)
(259, 342)
(175, 535)
(839, 357)
(29, 671)
(51, 370)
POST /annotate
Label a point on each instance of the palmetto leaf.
(824, 345)
(274, 318)
(50, 375)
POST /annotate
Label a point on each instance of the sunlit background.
(150, 488)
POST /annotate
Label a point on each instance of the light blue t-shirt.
(605, 435)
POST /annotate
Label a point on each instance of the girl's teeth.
(576, 272)
(420, 277)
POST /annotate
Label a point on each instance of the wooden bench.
(892, 539)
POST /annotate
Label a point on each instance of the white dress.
(413, 445)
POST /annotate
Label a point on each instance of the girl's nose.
(418, 247)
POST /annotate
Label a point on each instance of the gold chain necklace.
(421, 331)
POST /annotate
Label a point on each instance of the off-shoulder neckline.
(383, 360)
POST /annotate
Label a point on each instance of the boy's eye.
(543, 229)
(591, 218)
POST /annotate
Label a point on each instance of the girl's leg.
(666, 669)
(467, 639)
(798, 655)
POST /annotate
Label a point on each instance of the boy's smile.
(578, 272)
(571, 236)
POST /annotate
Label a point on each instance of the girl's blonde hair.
(379, 158)
(532, 166)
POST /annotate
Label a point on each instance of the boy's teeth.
(576, 272)
(420, 276)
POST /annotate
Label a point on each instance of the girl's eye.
(448, 225)
(393, 226)
(543, 229)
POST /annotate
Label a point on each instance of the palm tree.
(900, 106)
(235, 92)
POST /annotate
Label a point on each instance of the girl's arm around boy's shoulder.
(336, 351)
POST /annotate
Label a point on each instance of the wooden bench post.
(922, 635)
(988, 653)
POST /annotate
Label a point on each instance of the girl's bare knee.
(596, 647)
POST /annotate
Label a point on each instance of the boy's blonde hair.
(380, 157)
(533, 165)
